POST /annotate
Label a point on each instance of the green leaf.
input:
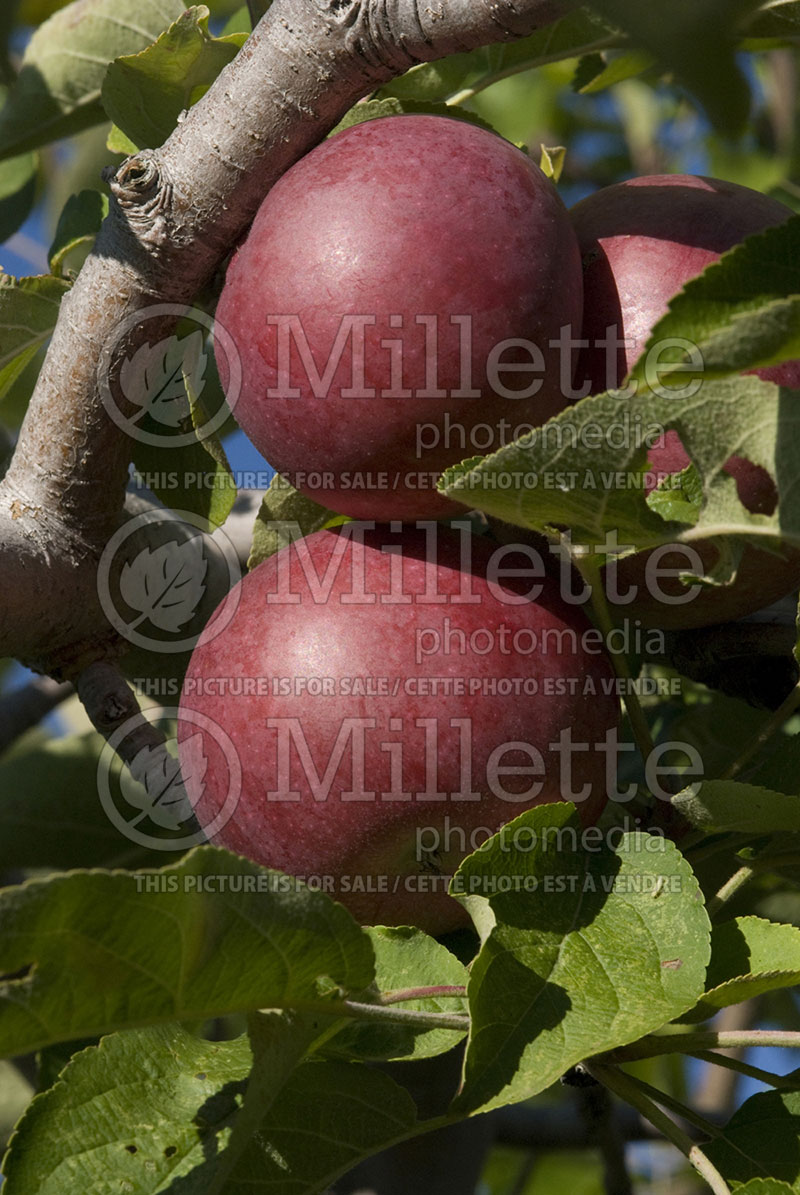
(191, 941)
(681, 500)
(596, 73)
(781, 769)
(216, 504)
(775, 19)
(329, 1117)
(280, 1042)
(180, 372)
(577, 33)
(140, 1111)
(696, 40)
(78, 224)
(743, 311)
(765, 1186)
(715, 724)
(257, 8)
(145, 93)
(33, 12)
(726, 806)
(585, 948)
(375, 109)
(118, 143)
(57, 92)
(406, 958)
(52, 1059)
(761, 1139)
(286, 515)
(28, 312)
(17, 192)
(551, 161)
(787, 192)
(158, 1109)
(17, 384)
(749, 956)
(572, 472)
(50, 813)
(239, 21)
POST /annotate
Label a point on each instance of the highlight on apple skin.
(641, 241)
(393, 306)
(394, 697)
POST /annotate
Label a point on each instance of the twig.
(114, 711)
(764, 863)
(780, 1082)
(491, 77)
(110, 702)
(770, 727)
(627, 1089)
(685, 1113)
(681, 1042)
(729, 889)
(716, 1092)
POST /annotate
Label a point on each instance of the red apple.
(641, 241)
(393, 307)
(393, 700)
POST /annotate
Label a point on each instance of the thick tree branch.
(176, 211)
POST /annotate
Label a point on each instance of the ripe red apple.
(641, 241)
(394, 699)
(393, 306)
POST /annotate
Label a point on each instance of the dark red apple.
(394, 306)
(641, 241)
(393, 700)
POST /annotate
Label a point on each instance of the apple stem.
(770, 728)
(400, 994)
(403, 1016)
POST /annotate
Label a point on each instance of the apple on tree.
(641, 241)
(394, 697)
(398, 305)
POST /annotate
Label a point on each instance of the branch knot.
(144, 195)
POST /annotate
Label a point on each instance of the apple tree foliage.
(192, 1039)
